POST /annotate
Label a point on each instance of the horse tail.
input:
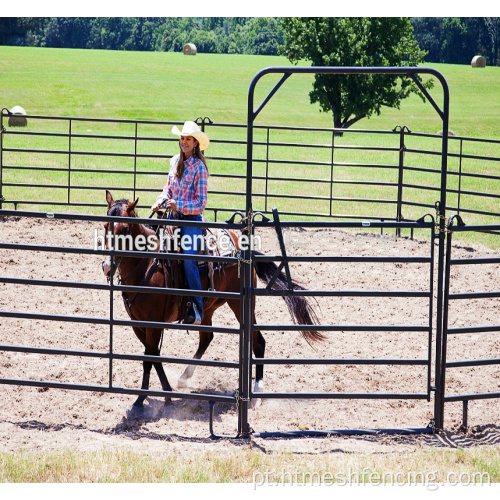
(300, 309)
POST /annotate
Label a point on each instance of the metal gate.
(435, 224)
(248, 259)
(479, 323)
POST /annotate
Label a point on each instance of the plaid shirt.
(190, 192)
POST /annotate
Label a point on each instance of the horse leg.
(205, 339)
(165, 384)
(259, 347)
(146, 371)
(155, 336)
(151, 340)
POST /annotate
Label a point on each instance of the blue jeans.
(191, 266)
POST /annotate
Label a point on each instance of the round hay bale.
(450, 132)
(478, 62)
(189, 49)
(16, 119)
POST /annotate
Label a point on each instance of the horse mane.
(116, 211)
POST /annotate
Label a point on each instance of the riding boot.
(193, 316)
(194, 283)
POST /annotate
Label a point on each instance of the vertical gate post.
(442, 333)
(439, 398)
(442, 382)
(2, 129)
(431, 313)
(441, 222)
(111, 309)
(402, 147)
(69, 159)
(246, 336)
(247, 298)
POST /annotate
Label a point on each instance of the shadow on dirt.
(134, 428)
(134, 424)
(180, 410)
(476, 436)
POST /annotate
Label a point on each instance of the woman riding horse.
(159, 308)
(185, 194)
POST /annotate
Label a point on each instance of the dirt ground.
(53, 419)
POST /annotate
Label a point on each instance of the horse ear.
(131, 206)
(109, 198)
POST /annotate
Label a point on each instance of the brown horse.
(165, 308)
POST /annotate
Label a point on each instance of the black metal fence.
(423, 329)
(278, 159)
(112, 321)
(246, 361)
(387, 175)
(486, 323)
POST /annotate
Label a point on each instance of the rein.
(163, 215)
(128, 302)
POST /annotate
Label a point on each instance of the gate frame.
(449, 262)
(248, 219)
(248, 255)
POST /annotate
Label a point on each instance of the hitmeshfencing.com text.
(431, 480)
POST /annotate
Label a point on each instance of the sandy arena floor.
(50, 419)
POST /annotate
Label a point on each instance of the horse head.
(117, 233)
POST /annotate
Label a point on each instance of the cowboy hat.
(192, 129)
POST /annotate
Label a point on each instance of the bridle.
(115, 260)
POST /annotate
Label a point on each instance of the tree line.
(222, 35)
(445, 39)
(456, 40)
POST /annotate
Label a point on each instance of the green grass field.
(429, 468)
(174, 87)
(171, 86)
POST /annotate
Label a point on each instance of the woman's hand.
(156, 206)
(171, 204)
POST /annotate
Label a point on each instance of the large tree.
(365, 41)
(493, 27)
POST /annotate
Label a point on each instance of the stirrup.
(193, 316)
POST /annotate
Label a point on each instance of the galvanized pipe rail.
(449, 297)
(111, 321)
(252, 114)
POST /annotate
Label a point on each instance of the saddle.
(211, 247)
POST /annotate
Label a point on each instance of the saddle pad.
(229, 250)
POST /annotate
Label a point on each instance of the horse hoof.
(258, 387)
(168, 401)
(136, 411)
